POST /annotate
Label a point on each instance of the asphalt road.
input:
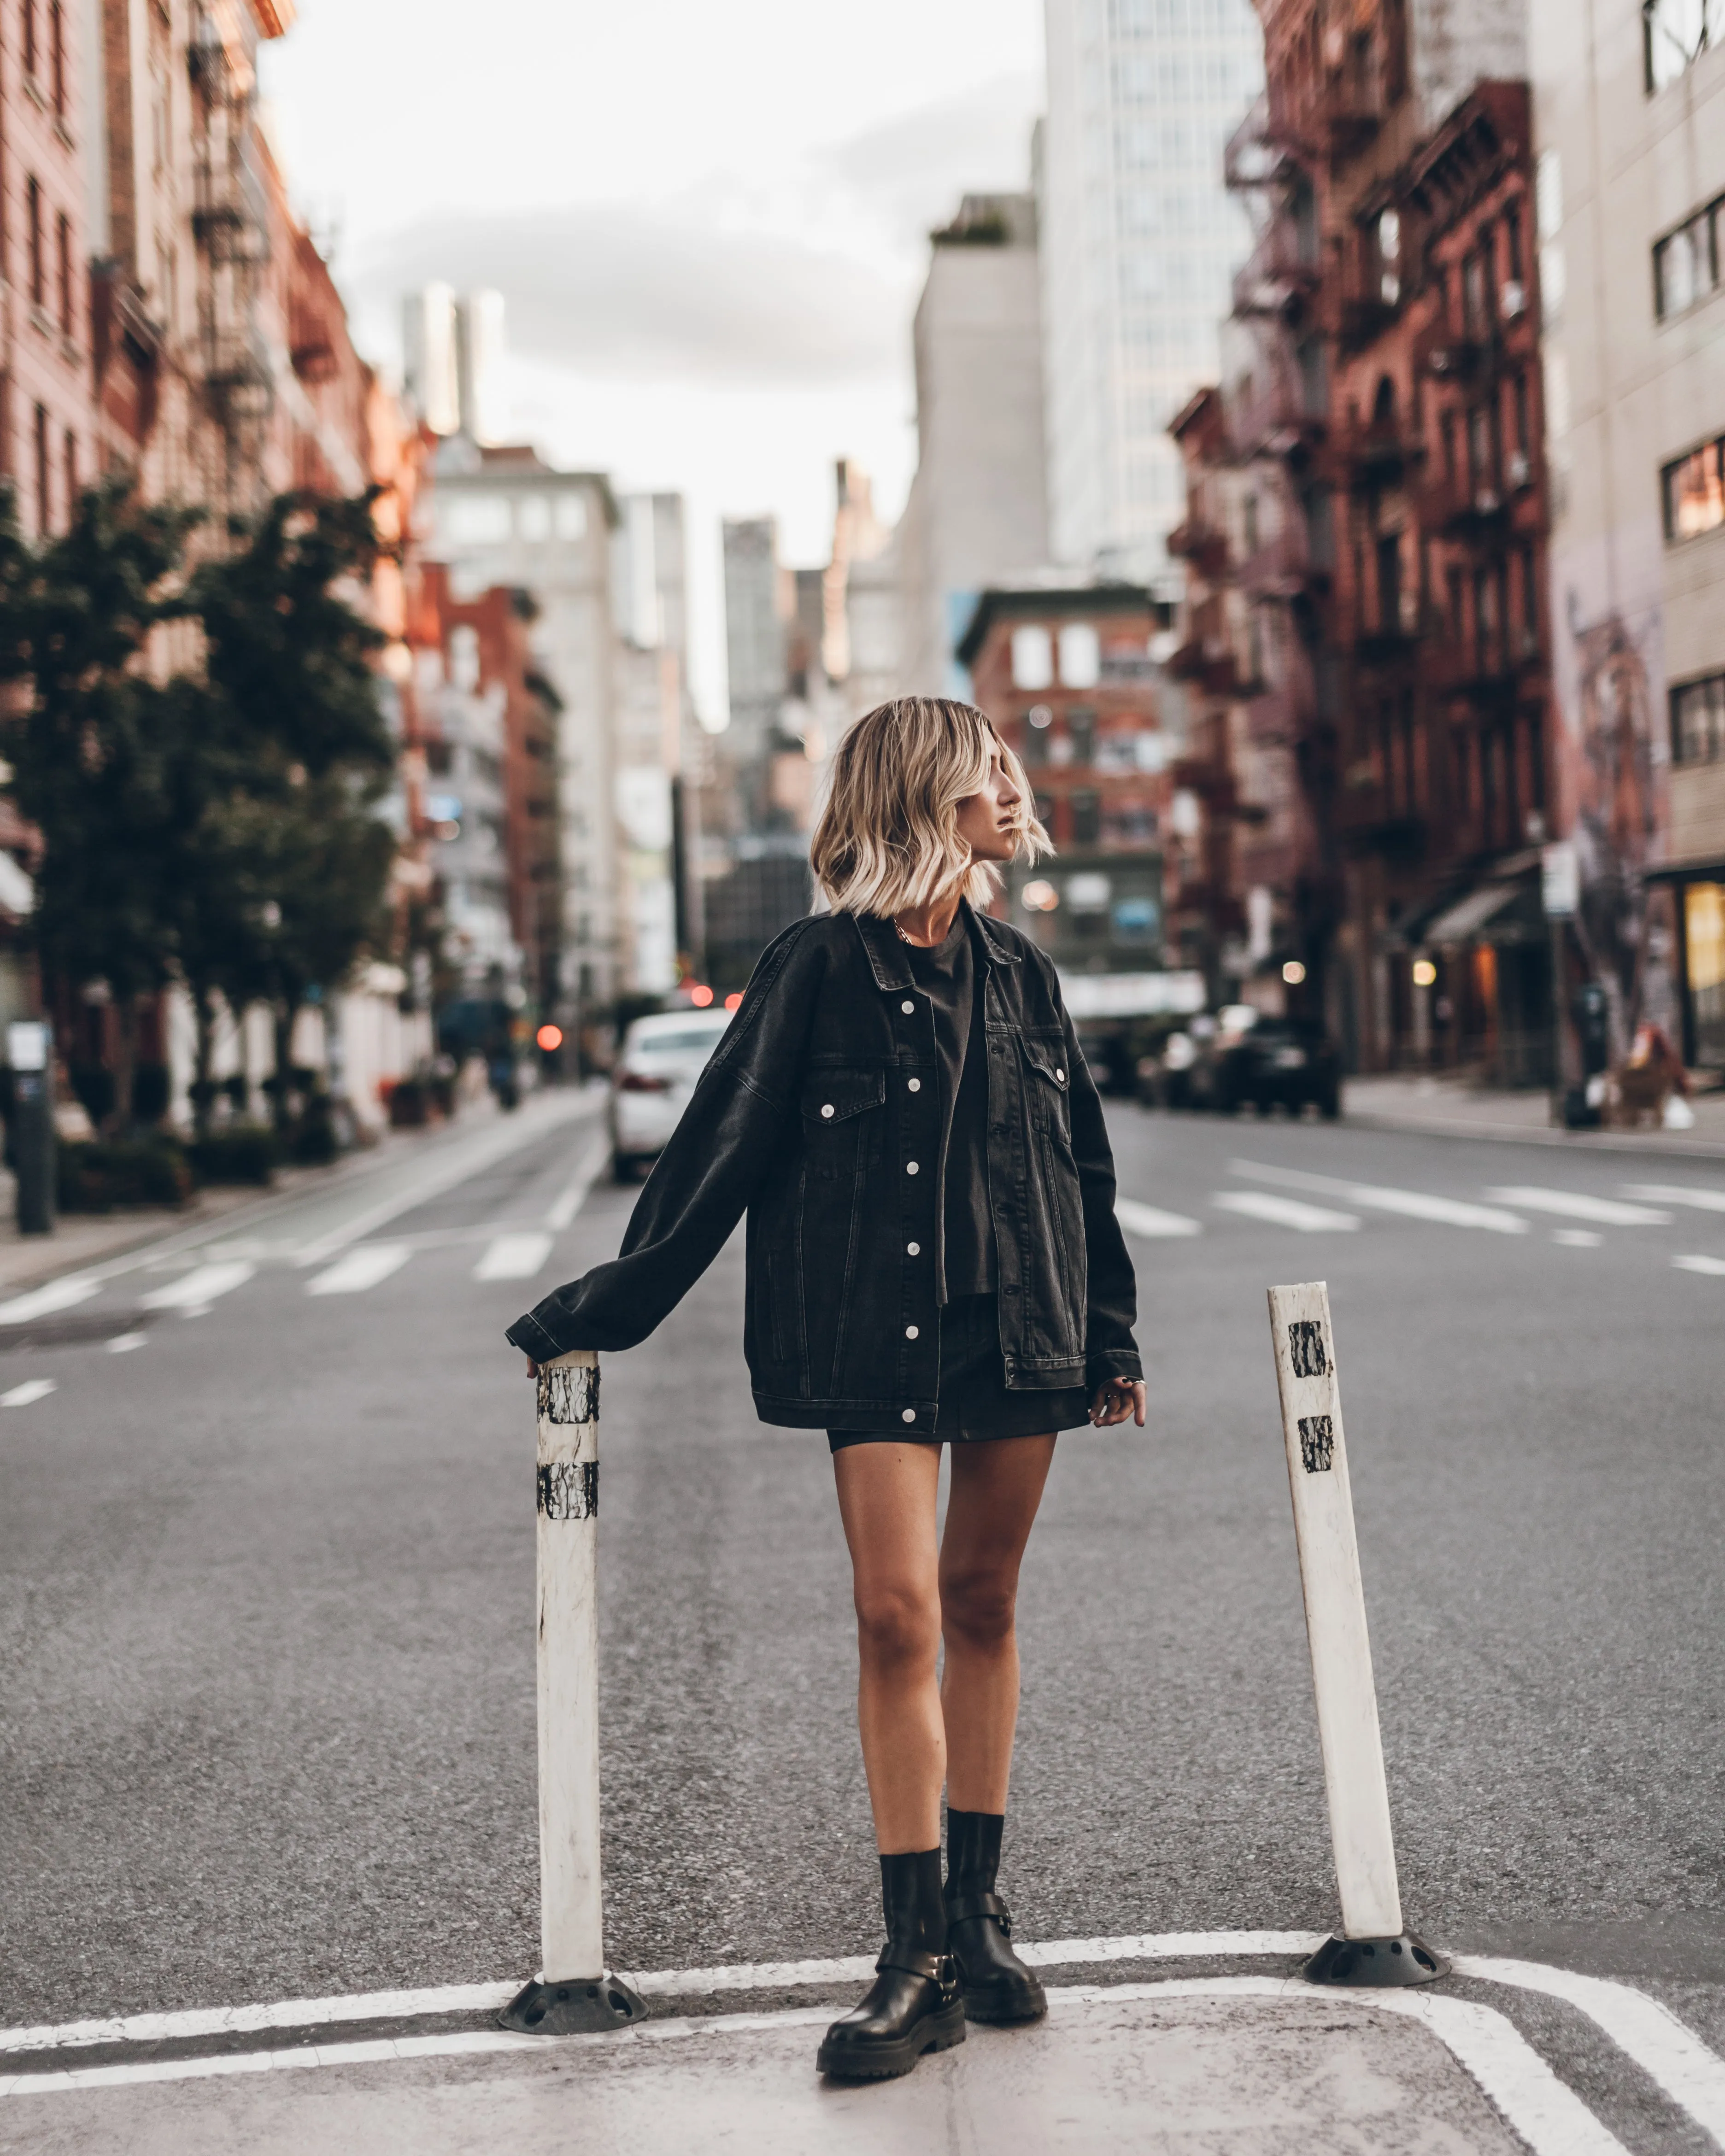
(266, 1596)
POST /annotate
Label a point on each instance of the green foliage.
(96, 1178)
(242, 1153)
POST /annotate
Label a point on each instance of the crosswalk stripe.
(26, 1394)
(1714, 1265)
(514, 1257)
(1574, 1205)
(1677, 1194)
(1150, 1222)
(199, 1287)
(41, 1302)
(1411, 1204)
(1285, 1212)
(360, 1268)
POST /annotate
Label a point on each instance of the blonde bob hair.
(888, 834)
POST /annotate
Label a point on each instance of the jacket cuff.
(1114, 1362)
(531, 1337)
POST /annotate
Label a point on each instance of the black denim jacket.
(820, 1114)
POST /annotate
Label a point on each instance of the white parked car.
(655, 1074)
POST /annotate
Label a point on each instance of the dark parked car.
(1240, 1058)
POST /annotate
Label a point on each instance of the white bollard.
(572, 1991)
(1373, 1948)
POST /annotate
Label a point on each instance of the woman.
(901, 1107)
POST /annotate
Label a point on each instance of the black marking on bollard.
(1375, 1964)
(1305, 1349)
(569, 1490)
(569, 1394)
(1317, 1445)
(573, 2009)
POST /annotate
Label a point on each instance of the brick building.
(1366, 628)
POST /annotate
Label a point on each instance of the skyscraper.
(1139, 242)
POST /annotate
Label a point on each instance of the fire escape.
(229, 226)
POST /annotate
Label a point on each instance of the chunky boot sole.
(886, 2061)
(1001, 2011)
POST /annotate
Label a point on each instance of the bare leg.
(886, 1499)
(996, 1487)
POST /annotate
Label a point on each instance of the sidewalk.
(1187, 2067)
(82, 1240)
(1449, 1107)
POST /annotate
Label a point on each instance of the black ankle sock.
(972, 1850)
(911, 1895)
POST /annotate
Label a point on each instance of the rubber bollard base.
(1375, 1964)
(574, 2009)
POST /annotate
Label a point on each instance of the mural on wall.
(1624, 925)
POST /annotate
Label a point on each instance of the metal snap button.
(910, 1414)
(1060, 1077)
(910, 1168)
(916, 1085)
(907, 1007)
(827, 1111)
(915, 1249)
(910, 1332)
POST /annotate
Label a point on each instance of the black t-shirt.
(947, 974)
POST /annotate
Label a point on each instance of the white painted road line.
(1285, 1212)
(43, 1301)
(1576, 1239)
(1699, 1264)
(1678, 1193)
(1149, 1222)
(514, 1257)
(199, 1288)
(122, 1343)
(31, 1390)
(1412, 1204)
(1549, 2118)
(1574, 1205)
(572, 1196)
(360, 1268)
(1691, 2076)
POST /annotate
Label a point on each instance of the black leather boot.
(913, 2005)
(998, 1987)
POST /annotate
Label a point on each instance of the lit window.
(1694, 493)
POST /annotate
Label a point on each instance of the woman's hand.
(533, 1372)
(1116, 1399)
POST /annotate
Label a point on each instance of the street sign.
(1560, 880)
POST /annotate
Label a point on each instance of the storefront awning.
(1462, 921)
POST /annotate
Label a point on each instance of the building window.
(1084, 807)
(1530, 599)
(71, 472)
(1698, 721)
(41, 448)
(1081, 725)
(30, 37)
(1676, 34)
(64, 238)
(1685, 264)
(1694, 493)
(1032, 657)
(33, 224)
(57, 57)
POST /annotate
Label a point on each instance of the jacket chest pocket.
(841, 1128)
(1047, 1084)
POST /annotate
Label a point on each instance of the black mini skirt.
(975, 1405)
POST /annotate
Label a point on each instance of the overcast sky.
(708, 217)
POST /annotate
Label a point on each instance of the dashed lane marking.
(1549, 2118)
(198, 1289)
(572, 1196)
(1576, 1239)
(1701, 1198)
(1714, 1266)
(1151, 1223)
(1285, 1212)
(1576, 1206)
(1411, 1204)
(360, 1268)
(514, 1257)
(122, 1343)
(43, 1302)
(28, 1393)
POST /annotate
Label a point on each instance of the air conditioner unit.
(1520, 470)
(1513, 301)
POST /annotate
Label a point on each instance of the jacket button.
(915, 1249)
(910, 1332)
(1060, 1077)
(910, 1414)
(910, 1168)
(907, 1007)
(916, 1085)
(827, 1111)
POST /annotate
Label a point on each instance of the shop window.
(1694, 489)
(1698, 721)
(1704, 945)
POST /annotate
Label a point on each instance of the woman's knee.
(898, 1625)
(980, 1605)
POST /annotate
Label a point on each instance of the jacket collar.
(886, 950)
